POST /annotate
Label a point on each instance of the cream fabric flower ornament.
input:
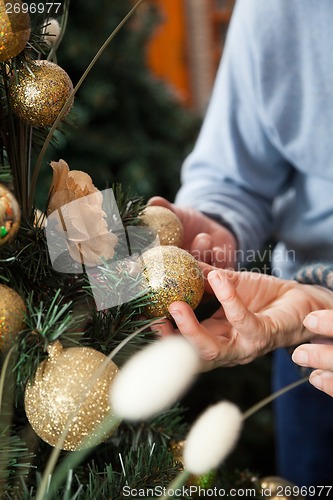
(82, 217)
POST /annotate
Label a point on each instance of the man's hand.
(207, 240)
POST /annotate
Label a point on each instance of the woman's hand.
(258, 314)
(318, 354)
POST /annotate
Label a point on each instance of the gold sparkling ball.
(277, 488)
(71, 388)
(14, 28)
(38, 95)
(12, 311)
(165, 223)
(172, 274)
(10, 215)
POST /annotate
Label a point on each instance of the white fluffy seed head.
(212, 437)
(52, 32)
(154, 378)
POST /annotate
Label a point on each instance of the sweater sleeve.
(235, 171)
(316, 274)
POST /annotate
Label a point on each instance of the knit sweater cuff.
(316, 274)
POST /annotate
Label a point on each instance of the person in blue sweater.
(262, 168)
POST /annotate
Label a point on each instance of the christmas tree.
(75, 303)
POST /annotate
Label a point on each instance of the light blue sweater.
(264, 157)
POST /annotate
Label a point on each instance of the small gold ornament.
(71, 388)
(14, 28)
(12, 311)
(37, 96)
(172, 274)
(165, 223)
(10, 215)
(277, 488)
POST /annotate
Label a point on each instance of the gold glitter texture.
(10, 215)
(172, 274)
(71, 387)
(167, 225)
(38, 95)
(12, 309)
(14, 29)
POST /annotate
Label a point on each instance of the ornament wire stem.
(70, 98)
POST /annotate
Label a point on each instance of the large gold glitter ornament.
(172, 274)
(10, 215)
(14, 28)
(277, 488)
(12, 311)
(71, 388)
(37, 96)
(165, 223)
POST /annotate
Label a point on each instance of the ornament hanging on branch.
(277, 488)
(38, 94)
(70, 390)
(172, 274)
(12, 311)
(14, 28)
(10, 215)
(165, 223)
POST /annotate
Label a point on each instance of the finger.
(191, 329)
(314, 356)
(322, 380)
(162, 202)
(162, 328)
(201, 247)
(236, 312)
(320, 322)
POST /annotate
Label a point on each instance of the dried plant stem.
(69, 101)
(273, 396)
(109, 423)
(180, 479)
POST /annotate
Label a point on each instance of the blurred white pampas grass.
(212, 437)
(154, 378)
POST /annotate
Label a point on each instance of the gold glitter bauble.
(172, 274)
(14, 29)
(277, 488)
(71, 387)
(167, 225)
(38, 95)
(12, 310)
(10, 215)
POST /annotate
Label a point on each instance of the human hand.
(259, 313)
(318, 354)
(207, 240)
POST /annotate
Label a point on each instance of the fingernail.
(214, 278)
(316, 381)
(157, 330)
(311, 321)
(177, 315)
(300, 357)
